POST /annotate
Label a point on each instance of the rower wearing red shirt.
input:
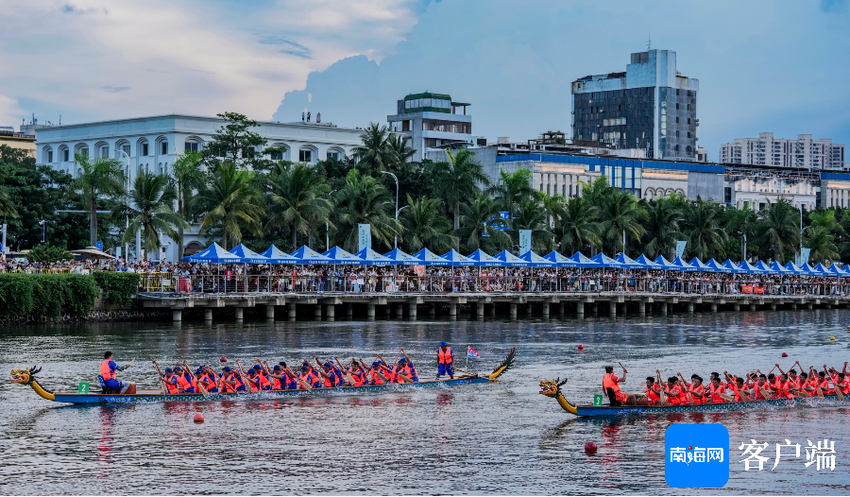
(653, 391)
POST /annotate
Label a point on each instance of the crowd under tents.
(215, 254)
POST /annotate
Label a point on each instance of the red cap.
(223, 359)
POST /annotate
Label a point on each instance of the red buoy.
(580, 347)
(223, 359)
(199, 418)
(784, 354)
(590, 447)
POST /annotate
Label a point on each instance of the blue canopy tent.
(559, 259)
(666, 265)
(510, 260)
(750, 269)
(820, 268)
(699, 265)
(582, 260)
(832, 270)
(733, 267)
(808, 269)
(628, 263)
(429, 258)
(402, 258)
(483, 259)
(249, 256)
(213, 254)
(843, 270)
(341, 257)
(372, 258)
(795, 269)
(683, 264)
(715, 266)
(605, 261)
(278, 256)
(455, 258)
(647, 263)
(306, 255)
(764, 267)
(535, 260)
(777, 268)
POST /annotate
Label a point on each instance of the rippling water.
(501, 438)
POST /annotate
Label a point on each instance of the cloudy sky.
(779, 65)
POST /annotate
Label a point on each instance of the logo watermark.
(696, 455)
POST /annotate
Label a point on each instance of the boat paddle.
(200, 387)
(690, 395)
(245, 380)
(161, 378)
(662, 393)
(345, 372)
(838, 392)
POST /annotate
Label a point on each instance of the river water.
(497, 438)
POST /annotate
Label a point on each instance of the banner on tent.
(524, 241)
(680, 248)
(364, 236)
(804, 259)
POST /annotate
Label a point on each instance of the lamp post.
(127, 218)
(328, 227)
(395, 240)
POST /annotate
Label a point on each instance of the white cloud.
(97, 59)
(10, 113)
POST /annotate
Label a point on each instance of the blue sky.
(763, 65)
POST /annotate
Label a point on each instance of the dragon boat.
(552, 388)
(28, 377)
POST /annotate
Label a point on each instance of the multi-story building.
(650, 106)
(802, 153)
(431, 121)
(761, 185)
(154, 143)
(14, 139)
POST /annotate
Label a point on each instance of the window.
(104, 152)
(277, 156)
(84, 152)
(163, 148)
(192, 147)
(126, 150)
(305, 155)
(50, 156)
(65, 155)
(144, 149)
(333, 155)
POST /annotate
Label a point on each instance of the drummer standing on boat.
(445, 361)
(107, 370)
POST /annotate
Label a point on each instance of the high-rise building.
(649, 106)
(431, 120)
(802, 153)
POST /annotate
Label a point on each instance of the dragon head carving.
(551, 388)
(24, 376)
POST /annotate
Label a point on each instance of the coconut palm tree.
(706, 236)
(662, 227)
(364, 200)
(149, 210)
(512, 188)
(375, 153)
(822, 244)
(482, 227)
(230, 201)
(553, 205)
(98, 177)
(741, 223)
(462, 177)
(400, 151)
(426, 226)
(620, 213)
(297, 198)
(531, 215)
(778, 230)
(578, 227)
(186, 177)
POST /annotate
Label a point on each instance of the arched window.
(336, 153)
(193, 144)
(64, 153)
(161, 146)
(101, 150)
(308, 154)
(47, 154)
(142, 148)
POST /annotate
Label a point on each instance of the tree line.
(237, 192)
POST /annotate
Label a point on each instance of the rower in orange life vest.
(107, 370)
(170, 381)
(737, 385)
(611, 387)
(673, 391)
(446, 361)
(694, 389)
(183, 380)
(354, 370)
(653, 391)
(839, 380)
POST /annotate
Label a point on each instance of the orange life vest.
(396, 378)
(183, 382)
(673, 394)
(265, 384)
(377, 380)
(445, 356)
(308, 378)
(608, 382)
(358, 377)
(652, 394)
(716, 390)
(699, 397)
(228, 387)
(106, 371)
(169, 384)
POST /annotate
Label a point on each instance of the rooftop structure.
(432, 121)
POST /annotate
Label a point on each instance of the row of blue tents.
(215, 254)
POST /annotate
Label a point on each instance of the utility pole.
(395, 241)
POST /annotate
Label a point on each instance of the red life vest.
(396, 378)
(308, 378)
(377, 380)
(699, 397)
(183, 382)
(608, 382)
(265, 384)
(106, 371)
(673, 395)
(652, 394)
(329, 380)
(739, 392)
(276, 383)
(716, 390)
(358, 377)
(757, 389)
(825, 388)
(445, 356)
(228, 387)
(169, 384)
(843, 387)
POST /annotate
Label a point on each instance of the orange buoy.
(784, 354)
(590, 447)
(199, 418)
(580, 347)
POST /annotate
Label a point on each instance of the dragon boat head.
(24, 376)
(551, 388)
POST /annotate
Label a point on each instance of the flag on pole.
(472, 353)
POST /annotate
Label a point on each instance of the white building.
(432, 121)
(802, 153)
(759, 187)
(153, 143)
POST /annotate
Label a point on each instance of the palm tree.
(482, 227)
(822, 244)
(98, 177)
(777, 229)
(706, 236)
(375, 153)
(620, 213)
(531, 215)
(460, 178)
(187, 177)
(512, 188)
(400, 151)
(231, 201)
(598, 191)
(426, 226)
(149, 209)
(662, 227)
(297, 199)
(364, 200)
(741, 222)
(553, 205)
(578, 227)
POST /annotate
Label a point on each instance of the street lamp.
(127, 218)
(328, 228)
(395, 240)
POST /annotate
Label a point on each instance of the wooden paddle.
(837, 391)
(689, 395)
(161, 379)
(200, 387)
(662, 394)
(245, 379)
(345, 372)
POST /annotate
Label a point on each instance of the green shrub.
(16, 294)
(46, 295)
(49, 253)
(118, 288)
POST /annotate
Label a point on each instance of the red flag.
(472, 353)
